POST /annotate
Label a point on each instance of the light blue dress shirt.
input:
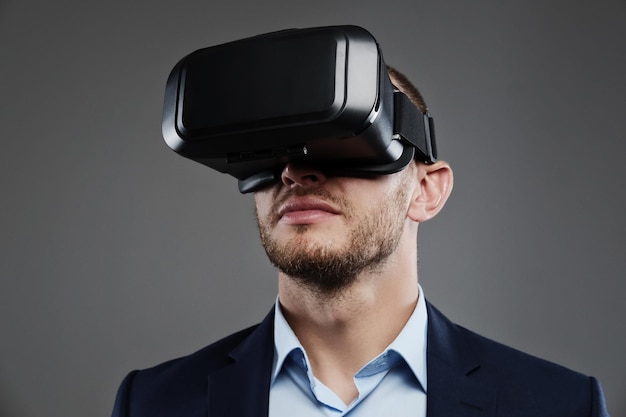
(392, 384)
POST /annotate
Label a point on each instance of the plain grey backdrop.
(118, 254)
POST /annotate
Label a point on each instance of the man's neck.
(343, 331)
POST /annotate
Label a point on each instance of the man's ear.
(432, 191)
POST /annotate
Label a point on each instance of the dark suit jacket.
(468, 375)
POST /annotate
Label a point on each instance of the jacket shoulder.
(196, 365)
(504, 360)
(522, 381)
(464, 347)
(529, 383)
(178, 384)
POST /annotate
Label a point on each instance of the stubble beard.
(326, 268)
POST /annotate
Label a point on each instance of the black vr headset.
(320, 96)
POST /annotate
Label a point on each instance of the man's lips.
(306, 210)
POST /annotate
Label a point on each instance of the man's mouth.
(306, 210)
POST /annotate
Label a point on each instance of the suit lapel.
(241, 388)
(450, 363)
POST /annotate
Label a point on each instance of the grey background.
(118, 254)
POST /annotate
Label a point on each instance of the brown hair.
(407, 87)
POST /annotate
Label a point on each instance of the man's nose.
(301, 174)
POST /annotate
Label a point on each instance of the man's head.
(326, 231)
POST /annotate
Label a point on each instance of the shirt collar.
(285, 341)
(410, 343)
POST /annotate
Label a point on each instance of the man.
(351, 333)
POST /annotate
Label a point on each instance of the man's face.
(325, 231)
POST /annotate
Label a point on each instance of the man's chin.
(322, 276)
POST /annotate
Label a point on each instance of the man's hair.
(406, 86)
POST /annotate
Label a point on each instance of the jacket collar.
(241, 388)
(451, 362)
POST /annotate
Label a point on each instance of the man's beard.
(327, 268)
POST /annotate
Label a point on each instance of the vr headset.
(319, 96)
